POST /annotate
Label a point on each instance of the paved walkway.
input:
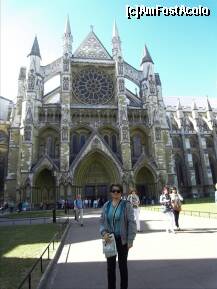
(158, 260)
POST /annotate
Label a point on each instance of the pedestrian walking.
(135, 202)
(167, 209)
(79, 211)
(176, 200)
(118, 218)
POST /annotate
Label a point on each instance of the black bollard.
(54, 216)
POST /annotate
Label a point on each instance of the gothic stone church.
(92, 131)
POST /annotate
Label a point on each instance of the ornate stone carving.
(31, 80)
(66, 63)
(152, 87)
(121, 85)
(132, 73)
(52, 69)
(120, 68)
(27, 134)
(93, 86)
(157, 133)
(66, 83)
(65, 134)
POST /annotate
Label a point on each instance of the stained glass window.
(92, 86)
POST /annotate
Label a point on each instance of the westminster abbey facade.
(91, 131)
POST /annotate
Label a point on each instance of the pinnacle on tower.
(194, 106)
(67, 27)
(208, 106)
(179, 107)
(116, 41)
(115, 30)
(147, 56)
(35, 48)
(67, 38)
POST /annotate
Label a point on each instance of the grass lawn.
(20, 246)
(35, 214)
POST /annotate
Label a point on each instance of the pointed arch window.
(114, 143)
(106, 138)
(82, 140)
(74, 144)
(137, 146)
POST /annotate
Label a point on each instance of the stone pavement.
(158, 260)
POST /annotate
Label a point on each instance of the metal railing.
(28, 279)
(187, 212)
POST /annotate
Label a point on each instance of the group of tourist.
(171, 207)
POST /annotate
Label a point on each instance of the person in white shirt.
(167, 209)
(135, 202)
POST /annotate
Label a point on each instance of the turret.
(147, 63)
(35, 57)
(67, 39)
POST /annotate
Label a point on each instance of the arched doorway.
(44, 189)
(94, 174)
(146, 185)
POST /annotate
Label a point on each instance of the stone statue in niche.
(123, 115)
(65, 63)
(121, 85)
(31, 80)
(65, 83)
(151, 84)
(125, 133)
(120, 68)
(27, 134)
(157, 133)
(64, 134)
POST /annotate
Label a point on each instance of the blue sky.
(184, 49)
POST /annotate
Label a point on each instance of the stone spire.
(67, 38)
(146, 56)
(115, 31)
(147, 63)
(35, 48)
(116, 41)
(208, 106)
(35, 57)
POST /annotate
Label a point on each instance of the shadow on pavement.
(148, 274)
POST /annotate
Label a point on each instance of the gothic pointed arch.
(146, 182)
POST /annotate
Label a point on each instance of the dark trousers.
(176, 216)
(122, 261)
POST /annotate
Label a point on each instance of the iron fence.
(188, 212)
(28, 279)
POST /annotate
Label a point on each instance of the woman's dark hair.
(116, 185)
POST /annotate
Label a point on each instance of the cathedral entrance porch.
(95, 173)
(44, 189)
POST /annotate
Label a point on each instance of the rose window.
(93, 86)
